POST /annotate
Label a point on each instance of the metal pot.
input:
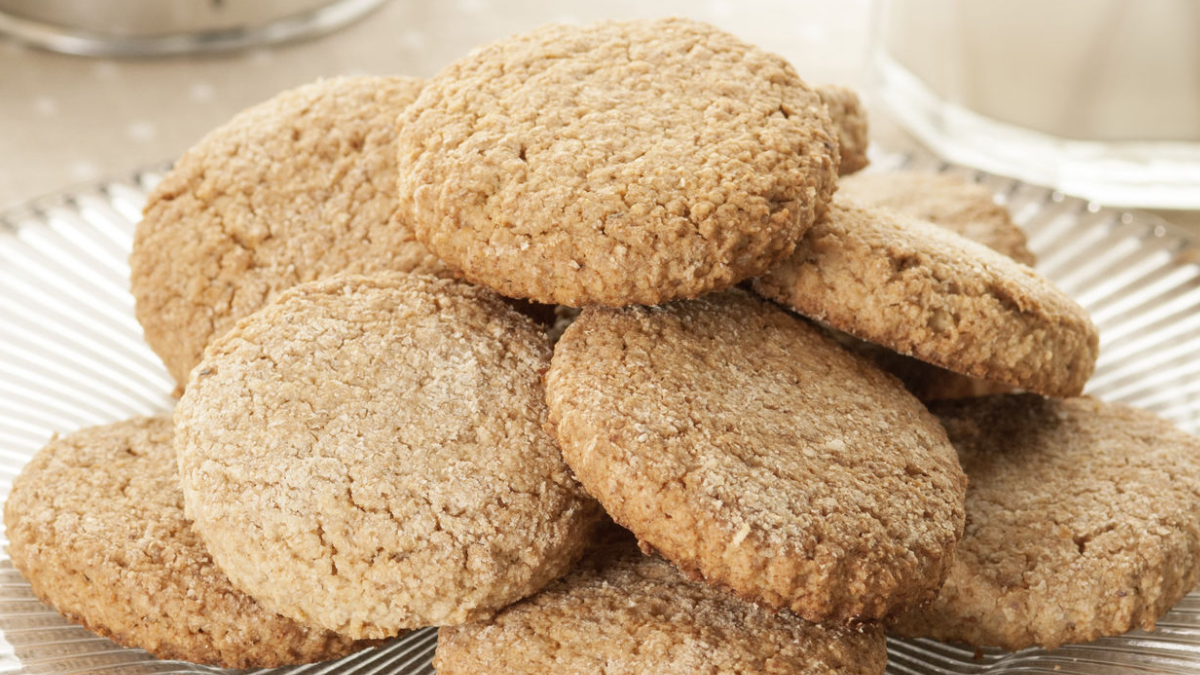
(160, 27)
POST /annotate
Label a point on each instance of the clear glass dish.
(143, 28)
(71, 355)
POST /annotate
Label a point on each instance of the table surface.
(68, 120)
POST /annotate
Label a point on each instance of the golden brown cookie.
(95, 523)
(368, 454)
(751, 450)
(967, 209)
(294, 189)
(1083, 520)
(616, 163)
(925, 292)
(624, 613)
(850, 118)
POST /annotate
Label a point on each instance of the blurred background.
(68, 119)
(1081, 69)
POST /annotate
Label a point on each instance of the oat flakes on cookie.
(95, 523)
(751, 450)
(925, 292)
(297, 188)
(616, 163)
(1083, 520)
(623, 613)
(369, 454)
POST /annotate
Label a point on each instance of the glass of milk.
(1097, 98)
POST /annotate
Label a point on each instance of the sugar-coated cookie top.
(750, 449)
(368, 454)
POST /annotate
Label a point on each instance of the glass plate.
(71, 355)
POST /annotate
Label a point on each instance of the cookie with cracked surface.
(925, 292)
(95, 523)
(700, 426)
(624, 613)
(368, 454)
(297, 188)
(850, 118)
(1083, 520)
(616, 163)
(965, 208)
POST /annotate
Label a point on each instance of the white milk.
(1099, 98)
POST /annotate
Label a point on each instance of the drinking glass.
(1097, 98)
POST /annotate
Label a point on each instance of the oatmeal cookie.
(294, 189)
(967, 209)
(624, 613)
(616, 163)
(95, 523)
(925, 292)
(1083, 520)
(850, 118)
(751, 450)
(369, 454)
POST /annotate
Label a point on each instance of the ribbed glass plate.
(71, 355)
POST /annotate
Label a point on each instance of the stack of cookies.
(451, 352)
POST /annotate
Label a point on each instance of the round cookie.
(294, 189)
(751, 450)
(966, 209)
(368, 454)
(850, 118)
(616, 163)
(1083, 520)
(623, 613)
(95, 523)
(925, 292)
